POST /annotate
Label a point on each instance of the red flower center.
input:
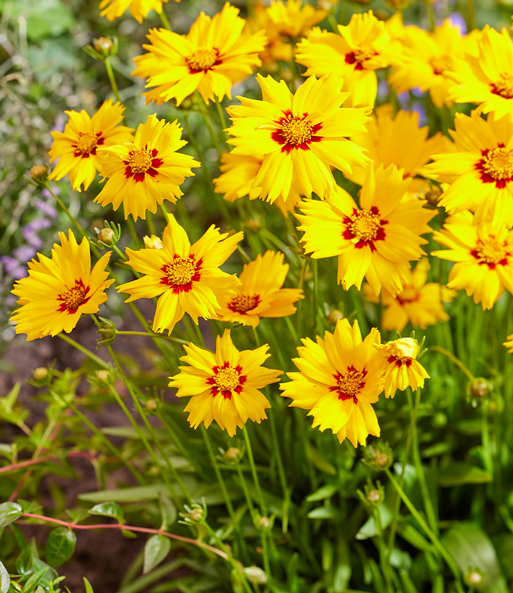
(87, 143)
(359, 56)
(349, 384)
(181, 273)
(142, 161)
(400, 360)
(364, 227)
(491, 252)
(226, 380)
(295, 131)
(496, 166)
(504, 86)
(73, 298)
(243, 303)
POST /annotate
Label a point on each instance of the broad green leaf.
(9, 512)
(369, 528)
(323, 513)
(503, 545)
(60, 546)
(472, 549)
(324, 492)
(5, 580)
(108, 509)
(167, 511)
(155, 550)
(25, 557)
(457, 473)
(437, 449)
(38, 564)
(88, 586)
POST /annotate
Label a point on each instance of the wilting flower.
(76, 147)
(293, 19)
(146, 171)
(300, 136)
(212, 57)
(340, 377)
(483, 254)
(486, 78)
(401, 368)
(139, 9)
(224, 385)
(59, 290)
(238, 173)
(260, 293)
(359, 49)
(376, 240)
(480, 170)
(419, 302)
(186, 277)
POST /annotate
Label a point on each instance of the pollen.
(365, 226)
(350, 384)
(296, 130)
(202, 59)
(504, 86)
(74, 297)
(86, 143)
(498, 163)
(363, 53)
(243, 303)
(181, 271)
(227, 379)
(491, 252)
(139, 161)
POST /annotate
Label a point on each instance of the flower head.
(146, 171)
(260, 293)
(59, 290)
(483, 254)
(339, 379)
(139, 9)
(224, 385)
(375, 240)
(419, 302)
(186, 277)
(213, 56)
(401, 368)
(300, 137)
(77, 147)
(293, 19)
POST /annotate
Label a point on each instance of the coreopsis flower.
(483, 254)
(420, 302)
(375, 240)
(76, 148)
(355, 53)
(398, 140)
(293, 19)
(486, 78)
(146, 171)
(58, 290)
(139, 9)
(340, 377)
(260, 293)
(277, 47)
(509, 343)
(428, 57)
(186, 277)
(238, 173)
(401, 368)
(224, 385)
(480, 170)
(212, 57)
(300, 136)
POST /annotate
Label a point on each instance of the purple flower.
(457, 20)
(24, 253)
(46, 209)
(13, 267)
(421, 110)
(37, 225)
(416, 92)
(403, 99)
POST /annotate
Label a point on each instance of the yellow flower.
(261, 293)
(276, 48)
(153, 242)
(401, 368)
(76, 147)
(480, 170)
(428, 57)
(224, 385)
(59, 290)
(300, 136)
(212, 57)
(419, 303)
(340, 377)
(146, 171)
(483, 254)
(187, 276)
(238, 174)
(355, 53)
(293, 19)
(509, 343)
(486, 78)
(139, 9)
(376, 240)
(398, 141)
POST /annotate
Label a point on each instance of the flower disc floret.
(202, 59)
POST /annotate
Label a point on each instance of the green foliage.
(60, 546)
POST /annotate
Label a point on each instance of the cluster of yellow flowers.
(286, 147)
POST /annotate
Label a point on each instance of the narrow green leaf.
(9, 512)
(323, 513)
(155, 550)
(60, 546)
(88, 586)
(108, 509)
(457, 473)
(369, 528)
(134, 494)
(24, 559)
(167, 511)
(320, 462)
(33, 581)
(324, 492)
(5, 579)
(438, 584)
(326, 554)
(342, 572)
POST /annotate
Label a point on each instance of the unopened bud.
(233, 454)
(151, 405)
(195, 515)
(40, 374)
(39, 173)
(106, 236)
(153, 242)
(379, 456)
(474, 578)
(373, 496)
(335, 315)
(479, 387)
(308, 275)
(381, 459)
(103, 45)
(264, 523)
(104, 377)
(256, 575)
(433, 196)
(253, 224)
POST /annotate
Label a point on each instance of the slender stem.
(84, 350)
(455, 360)
(65, 209)
(245, 489)
(222, 119)
(206, 117)
(133, 232)
(112, 79)
(254, 471)
(471, 22)
(187, 540)
(277, 451)
(165, 20)
(151, 223)
(197, 150)
(383, 557)
(151, 335)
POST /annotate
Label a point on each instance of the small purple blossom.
(13, 267)
(457, 20)
(46, 209)
(24, 253)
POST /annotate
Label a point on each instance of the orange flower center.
(296, 130)
(86, 143)
(351, 383)
(365, 226)
(202, 59)
(227, 379)
(504, 86)
(439, 64)
(498, 163)
(243, 303)
(490, 251)
(181, 271)
(139, 160)
(408, 295)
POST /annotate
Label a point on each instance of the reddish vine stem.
(186, 540)
(16, 466)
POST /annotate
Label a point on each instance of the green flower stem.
(455, 360)
(151, 223)
(165, 20)
(197, 150)
(165, 212)
(263, 508)
(281, 469)
(84, 350)
(382, 549)
(151, 335)
(244, 485)
(315, 292)
(112, 78)
(300, 305)
(471, 15)
(133, 232)
(265, 553)
(206, 116)
(432, 536)
(222, 119)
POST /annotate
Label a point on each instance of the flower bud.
(479, 387)
(40, 374)
(153, 242)
(474, 578)
(433, 196)
(264, 523)
(106, 236)
(335, 315)
(151, 405)
(255, 575)
(233, 454)
(104, 377)
(39, 173)
(373, 496)
(379, 456)
(308, 275)
(103, 45)
(253, 224)
(196, 515)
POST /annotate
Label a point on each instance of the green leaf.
(457, 473)
(60, 546)
(88, 587)
(472, 549)
(134, 494)
(342, 572)
(9, 512)
(326, 554)
(167, 510)
(5, 579)
(369, 528)
(320, 462)
(78, 515)
(503, 545)
(108, 509)
(25, 557)
(29, 506)
(413, 537)
(34, 580)
(326, 491)
(323, 513)
(155, 550)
